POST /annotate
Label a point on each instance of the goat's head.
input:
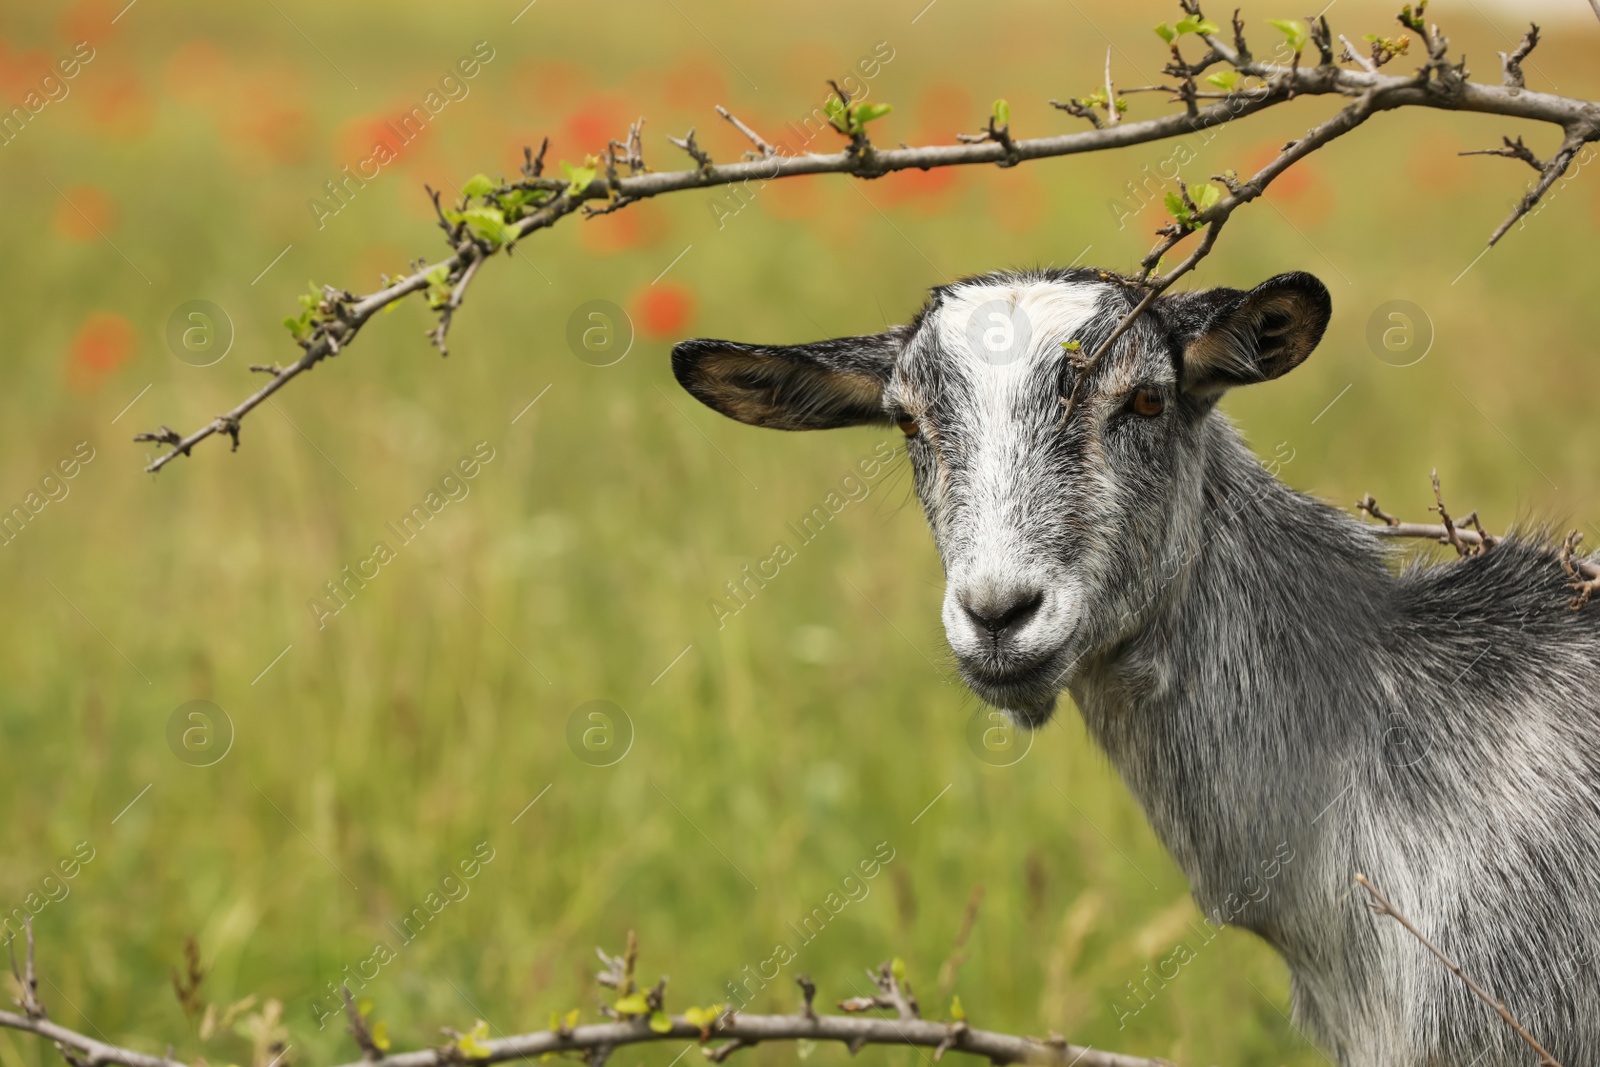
(1058, 527)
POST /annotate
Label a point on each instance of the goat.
(1245, 655)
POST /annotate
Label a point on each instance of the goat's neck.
(1230, 712)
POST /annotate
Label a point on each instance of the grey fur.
(1260, 670)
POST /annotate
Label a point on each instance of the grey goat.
(1248, 657)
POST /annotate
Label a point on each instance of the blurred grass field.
(778, 750)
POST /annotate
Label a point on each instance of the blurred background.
(353, 752)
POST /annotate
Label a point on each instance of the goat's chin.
(1027, 698)
(1029, 712)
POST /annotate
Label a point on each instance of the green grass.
(781, 748)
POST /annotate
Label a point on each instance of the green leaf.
(1177, 208)
(438, 286)
(488, 223)
(1195, 24)
(478, 185)
(1072, 346)
(660, 1023)
(1205, 195)
(835, 110)
(897, 967)
(703, 1017)
(380, 1035)
(957, 1012)
(472, 1044)
(300, 325)
(1166, 33)
(512, 203)
(862, 114)
(578, 178)
(1294, 32)
(1224, 80)
(632, 1004)
(1002, 113)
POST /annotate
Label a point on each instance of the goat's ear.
(816, 386)
(1231, 337)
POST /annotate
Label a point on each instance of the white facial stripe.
(999, 339)
(1002, 345)
(1048, 312)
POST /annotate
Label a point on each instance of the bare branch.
(1512, 150)
(1212, 219)
(735, 1031)
(1468, 537)
(896, 991)
(84, 1051)
(75, 1048)
(695, 152)
(1440, 84)
(1353, 56)
(1381, 905)
(1112, 115)
(448, 308)
(766, 150)
(1552, 170)
(808, 989)
(1078, 109)
(1451, 536)
(1584, 574)
(1511, 65)
(1322, 37)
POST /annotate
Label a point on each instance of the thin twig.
(1212, 219)
(1512, 150)
(1554, 169)
(1511, 64)
(1112, 115)
(1584, 574)
(1381, 905)
(1356, 57)
(766, 150)
(1451, 535)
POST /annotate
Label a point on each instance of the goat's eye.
(1148, 403)
(909, 427)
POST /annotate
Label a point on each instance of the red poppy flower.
(85, 214)
(663, 310)
(104, 342)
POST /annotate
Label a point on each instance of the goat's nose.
(1002, 610)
